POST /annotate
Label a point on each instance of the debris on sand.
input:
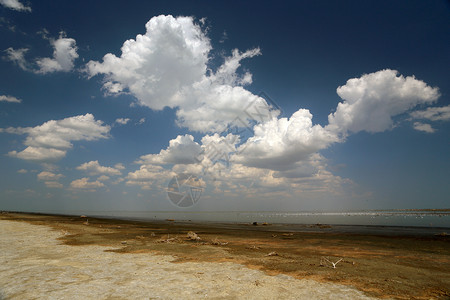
(321, 226)
(216, 242)
(169, 240)
(193, 236)
(87, 222)
(273, 253)
(325, 262)
(253, 247)
(443, 234)
(255, 223)
(287, 234)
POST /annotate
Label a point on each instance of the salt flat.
(35, 265)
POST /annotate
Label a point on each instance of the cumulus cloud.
(103, 178)
(9, 99)
(85, 184)
(15, 5)
(155, 66)
(279, 143)
(49, 176)
(119, 166)
(64, 55)
(181, 150)
(168, 67)
(94, 168)
(122, 121)
(17, 57)
(51, 140)
(371, 101)
(148, 176)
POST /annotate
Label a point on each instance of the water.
(405, 218)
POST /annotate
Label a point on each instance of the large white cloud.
(15, 5)
(181, 150)
(64, 55)
(156, 66)
(94, 168)
(371, 101)
(168, 67)
(51, 140)
(279, 143)
(148, 176)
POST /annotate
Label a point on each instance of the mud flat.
(81, 257)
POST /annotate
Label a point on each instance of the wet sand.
(228, 261)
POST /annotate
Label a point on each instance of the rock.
(272, 254)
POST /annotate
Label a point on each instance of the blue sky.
(290, 106)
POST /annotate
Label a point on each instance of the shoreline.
(374, 264)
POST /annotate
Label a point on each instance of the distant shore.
(400, 265)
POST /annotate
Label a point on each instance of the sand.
(51, 257)
(34, 265)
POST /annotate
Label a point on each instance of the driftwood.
(169, 239)
(325, 260)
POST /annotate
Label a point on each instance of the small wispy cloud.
(11, 99)
(15, 5)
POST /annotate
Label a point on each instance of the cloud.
(371, 101)
(64, 55)
(433, 114)
(84, 183)
(122, 121)
(168, 67)
(279, 143)
(103, 178)
(17, 57)
(51, 140)
(49, 176)
(148, 176)
(15, 5)
(22, 171)
(181, 150)
(53, 184)
(423, 127)
(94, 168)
(155, 66)
(9, 99)
(119, 166)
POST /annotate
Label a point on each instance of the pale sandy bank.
(35, 265)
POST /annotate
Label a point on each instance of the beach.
(74, 257)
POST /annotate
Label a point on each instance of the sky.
(257, 105)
